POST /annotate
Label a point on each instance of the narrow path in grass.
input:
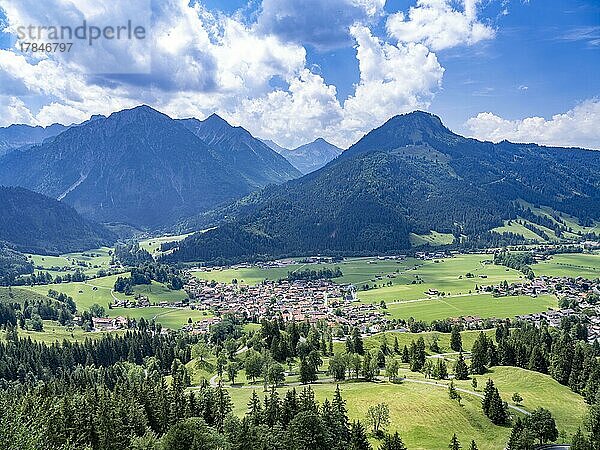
(465, 391)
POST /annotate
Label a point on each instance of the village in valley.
(339, 305)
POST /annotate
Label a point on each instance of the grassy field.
(570, 221)
(250, 275)
(484, 306)
(447, 275)
(83, 293)
(173, 318)
(423, 415)
(152, 245)
(98, 291)
(570, 265)
(89, 262)
(54, 332)
(426, 418)
(538, 390)
(432, 238)
(517, 228)
(19, 295)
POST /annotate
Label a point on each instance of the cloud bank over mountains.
(251, 68)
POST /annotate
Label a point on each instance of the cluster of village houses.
(323, 300)
(299, 300)
(570, 291)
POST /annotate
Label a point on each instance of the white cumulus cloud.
(438, 25)
(578, 127)
(393, 79)
(203, 62)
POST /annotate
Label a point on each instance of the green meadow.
(152, 245)
(54, 332)
(374, 341)
(99, 290)
(570, 265)
(484, 306)
(90, 262)
(426, 418)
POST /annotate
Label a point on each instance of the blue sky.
(294, 71)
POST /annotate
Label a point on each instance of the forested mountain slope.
(411, 175)
(35, 223)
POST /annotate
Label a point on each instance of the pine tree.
(452, 392)
(392, 442)
(479, 355)
(223, 406)
(358, 437)
(289, 407)
(396, 346)
(488, 392)
(418, 356)
(341, 429)
(497, 411)
(254, 409)
(454, 443)
(579, 441)
(520, 437)
(357, 342)
(537, 361)
(461, 371)
(456, 339)
(405, 355)
(473, 445)
(272, 409)
(441, 369)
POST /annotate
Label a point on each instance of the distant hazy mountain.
(308, 157)
(15, 136)
(411, 175)
(32, 222)
(136, 166)
(273, 145)
(238, 149)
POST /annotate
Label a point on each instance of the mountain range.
(236, 148)
(31, 222)
(308, 157)
(15, 136)
(409, 176)
(142, 168)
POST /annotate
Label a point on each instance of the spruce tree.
(497, 411)
(392, 442)
(454, 443)
(479, 355)
(456, 339)
(254, 409)
(461, 371)
(341, 430)
(358, 437)
(442, 369)
(405, 355)
(579, 441)
(473, 445)
(488, 392)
